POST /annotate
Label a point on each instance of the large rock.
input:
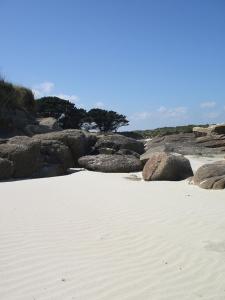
(50, 170)
(56, 153)
(6, 169)
(218, 129)
(161, 148)
(200, 131)
(212, 142)
(128, 152)
(166, 166)
(24, 154)
(117, 142)
(44, 125)
(211, 176)
(186, 144)
(111, 163)
(210, 130)
(78, 141)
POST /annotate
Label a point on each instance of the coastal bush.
(106, 120)
(12, 96)
(63, 110)
(150, 133)
(17, 105)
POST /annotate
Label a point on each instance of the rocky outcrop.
(6, 169)
(49, 154)
(111, 163)
(210, 130)
(186, 144)
(200, 131)
(106, 151)
(56, 153)
(44, 125)
(24, 153)
(211, 176)
(78, 141)
(166, 166)
(14, 121)
(128, 152)
(117, 142)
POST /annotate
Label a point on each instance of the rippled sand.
(93, 236)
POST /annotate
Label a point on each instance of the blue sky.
(159, 62)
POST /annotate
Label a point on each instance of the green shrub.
(56, 107)
(25, 99)
(12, 97)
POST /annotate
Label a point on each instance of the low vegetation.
(12, 97)
(150, 133)
(12, 100)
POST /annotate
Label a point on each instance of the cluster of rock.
(210, 130)
(114, 153)
(53, 153)
(43, 155)
(211, 176)
(194, 143)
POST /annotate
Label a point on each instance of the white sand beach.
(95, 236)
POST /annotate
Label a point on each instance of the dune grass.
(12, 97)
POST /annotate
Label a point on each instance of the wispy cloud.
(141, 116)
(42, 89)
(179, 111)
(162, 113)
(99, 104)
(72, 98)
(213, 115)
(208, 104)
(46, 88)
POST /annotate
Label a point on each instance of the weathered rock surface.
(111, 163)
(186, 144)
(50, 170)
(42, 155)
(211, 130)
(200, 131)
(211, 176)
(24, 153)
(56, 153)
(128, 152)
(106, 151)
(166, 166)
(6, 169)
(44, 125)
(77, 141)
(14, 121)
(117, 142)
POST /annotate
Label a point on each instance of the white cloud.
(43, 89)
(99, 104)
(141, 116)
(46, 88)
(212, 115)
(72, 98)
(179, 111)
(162, 113)
(208, 104)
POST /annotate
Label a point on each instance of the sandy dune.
(93, 236)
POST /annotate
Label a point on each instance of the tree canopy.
(56, 107)
(106, 120)
(74, 117)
